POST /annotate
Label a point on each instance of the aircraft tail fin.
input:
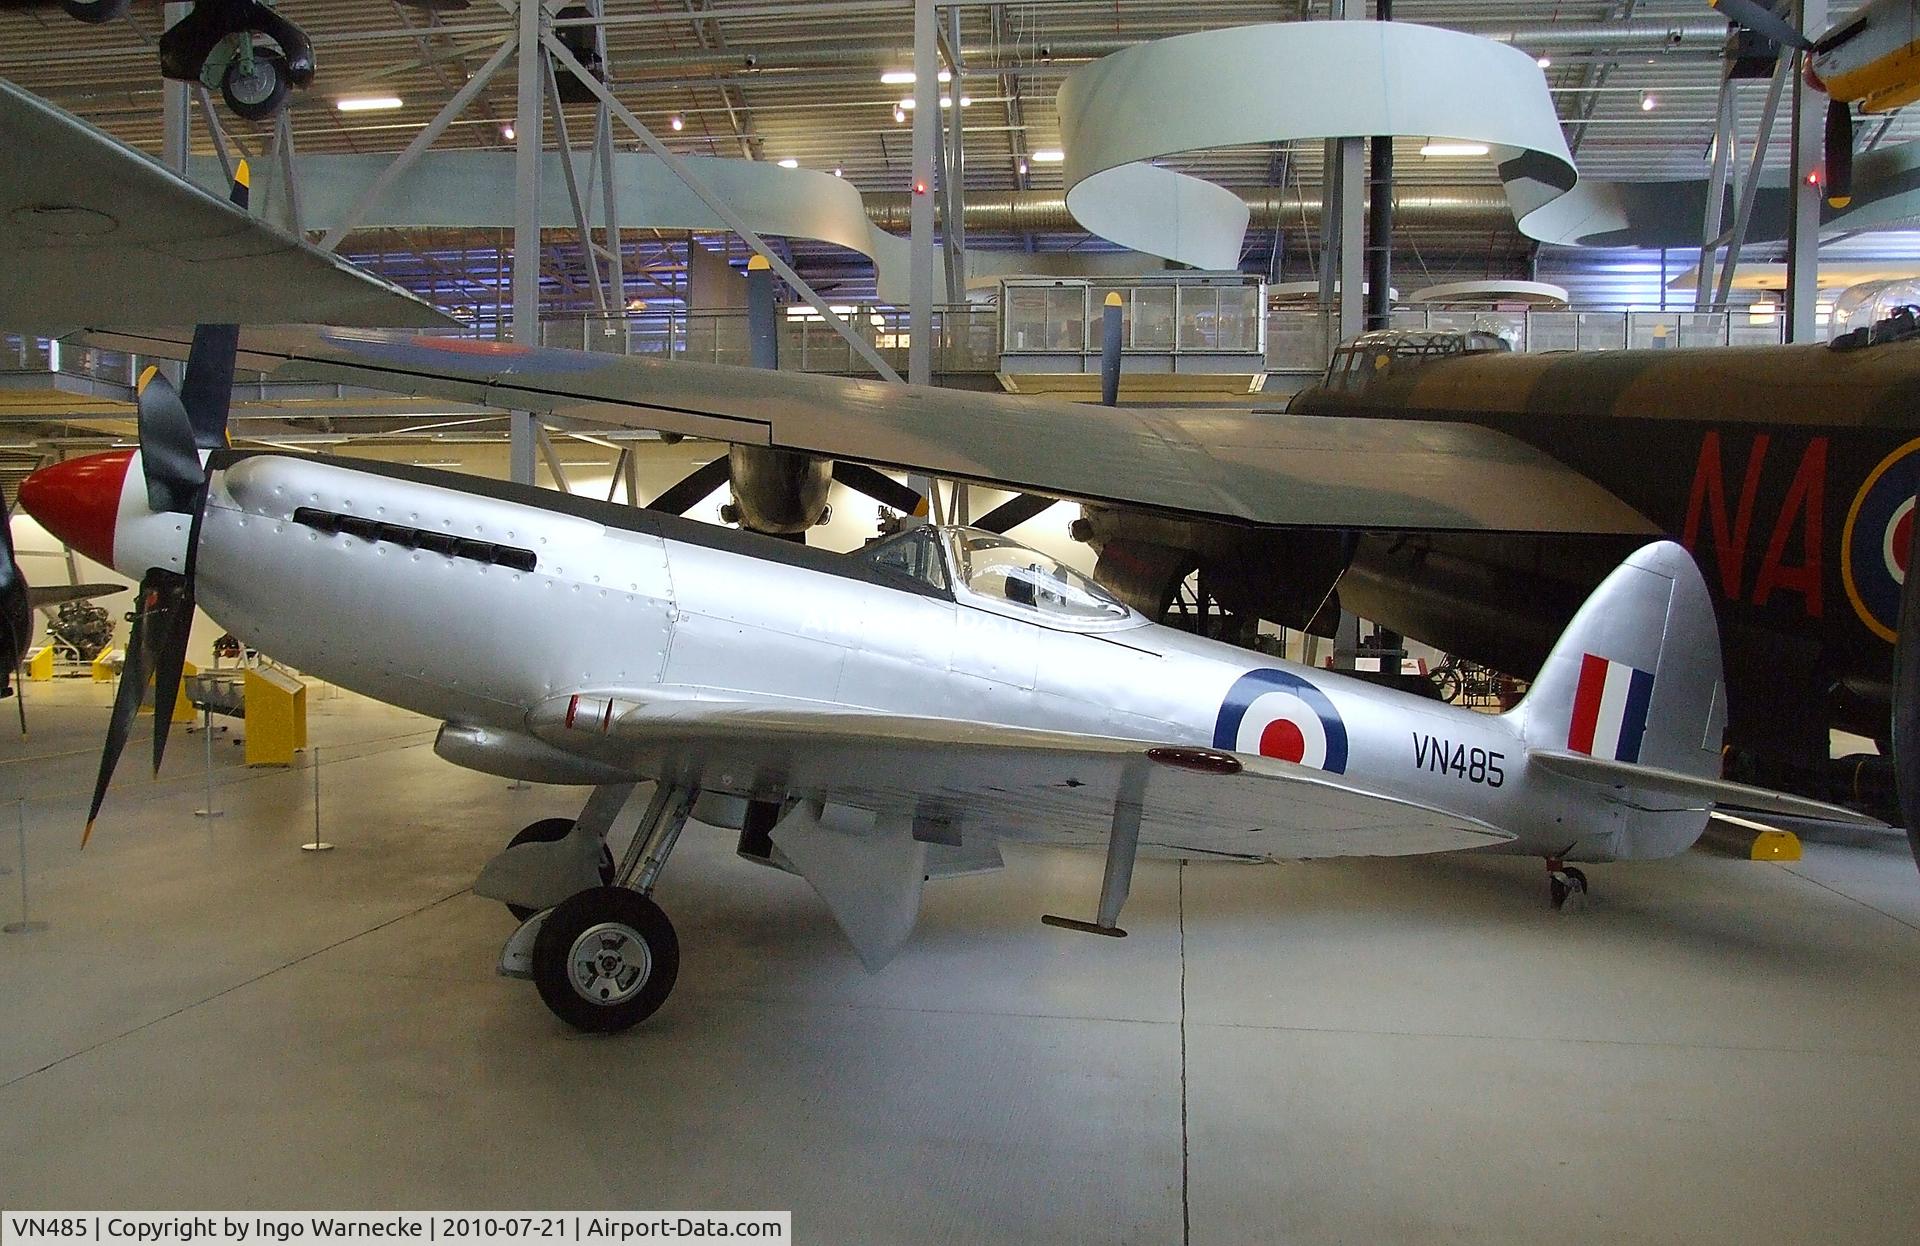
(1636, 677)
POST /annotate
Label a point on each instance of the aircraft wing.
(1262, 470)
(93, 232)
(1007, 782)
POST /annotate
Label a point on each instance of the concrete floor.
(1411, 1050)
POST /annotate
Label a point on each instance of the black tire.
(260, 95)
(1577, 878)
(546, 831)
(603, 998)
(95, 12)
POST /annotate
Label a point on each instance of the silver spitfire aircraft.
(869, 720)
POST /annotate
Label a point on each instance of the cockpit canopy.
(994, 572)
(1383, 351)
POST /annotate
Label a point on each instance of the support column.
(176, 105)
(953, 179)
(926, 122)
(1803, 222)
(1380, 219)
(1342, 210)
(528, 142)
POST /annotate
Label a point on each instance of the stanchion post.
(206, 729)
(317, 845)
(26, 924)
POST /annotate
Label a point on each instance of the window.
(913, 554)
(1004, 571)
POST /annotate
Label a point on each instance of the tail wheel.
(256, 94)
(606, 959)
(547, 831)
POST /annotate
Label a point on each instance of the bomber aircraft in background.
(867, 720)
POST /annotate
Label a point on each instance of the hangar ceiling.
(1634, 84)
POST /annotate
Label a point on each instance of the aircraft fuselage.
(477, 603)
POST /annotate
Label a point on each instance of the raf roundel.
(1277, 714)
(1877, 536)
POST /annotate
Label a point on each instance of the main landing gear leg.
(605, 958)
(1564, 883)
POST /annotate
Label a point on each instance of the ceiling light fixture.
(906, 77)
(676, 123)
(1049, 155)
(1023, 168)
(1648, 101)
(367, 103)
(789, 163)
(1545, 62)
(506, 132)
(838, 172)
(899, 113)
(1442, 148)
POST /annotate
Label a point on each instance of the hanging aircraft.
(244, 49)
(1871, 59)
(867, 721)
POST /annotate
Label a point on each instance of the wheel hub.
(610, 962)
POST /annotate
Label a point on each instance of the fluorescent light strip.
(368, 103)
(1454, 149)
(1047, 155)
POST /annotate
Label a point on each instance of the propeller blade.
(1013, 512)
(173, 622)
(693, 489)
(1762, 21)
(1906, 701)
(881, 487)
(1110, 351)
(134, 674)
(168, 455)
(206, 388)
(1839, 153)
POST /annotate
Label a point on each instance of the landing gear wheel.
(605, 959)
(258, 95)
(95, 12)
(547, 831)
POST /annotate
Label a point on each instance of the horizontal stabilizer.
(1692, 790)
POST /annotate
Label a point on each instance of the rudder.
(1636, 677)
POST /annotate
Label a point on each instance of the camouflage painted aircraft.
(1789, 472)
